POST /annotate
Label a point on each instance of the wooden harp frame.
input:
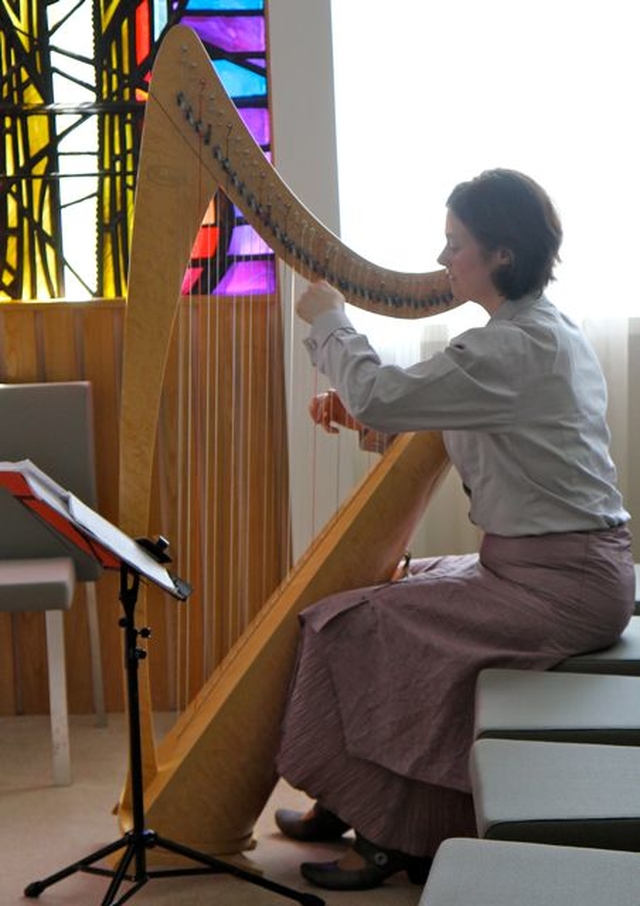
(208, 781)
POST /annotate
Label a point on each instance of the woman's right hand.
(328, 411)
(318, 298)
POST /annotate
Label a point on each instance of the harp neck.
(197, 104)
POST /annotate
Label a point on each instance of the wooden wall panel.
(59, 342)
(246, 553)
(18, 344)
(7, 690)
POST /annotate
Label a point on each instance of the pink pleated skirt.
(379, 720)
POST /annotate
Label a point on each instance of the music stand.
(76, 524)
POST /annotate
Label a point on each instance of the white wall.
(302, 104)
(325, 468)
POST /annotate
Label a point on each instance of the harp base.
(132, 867)
(225, 847)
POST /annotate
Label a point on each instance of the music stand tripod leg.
(139, 839)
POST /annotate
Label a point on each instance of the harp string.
(172, 125)
(229, 150)
(322, 256)
(206, 629)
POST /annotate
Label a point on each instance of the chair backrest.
(52, 425)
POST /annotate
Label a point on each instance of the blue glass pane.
(215, 5)
(247, 278)
(239, 82)
(230, 33)
(160, 18)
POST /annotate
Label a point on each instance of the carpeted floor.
(44, 828)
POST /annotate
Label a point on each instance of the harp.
(209, 779)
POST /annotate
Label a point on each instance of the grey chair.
(50, 424)
(493, 873)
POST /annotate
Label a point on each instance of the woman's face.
(469, 266)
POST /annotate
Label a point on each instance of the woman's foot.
(315, 826)
(366, 866)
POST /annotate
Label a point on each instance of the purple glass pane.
(210, 5)
(231, 33)
(257, 122)
(247, 278)
(245, 241)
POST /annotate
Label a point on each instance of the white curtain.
(430, 94)
(426, 95)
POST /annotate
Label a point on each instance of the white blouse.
(522, 404)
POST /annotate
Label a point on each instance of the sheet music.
(119, 543)
(94, 526)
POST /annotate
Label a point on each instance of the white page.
(92, 524)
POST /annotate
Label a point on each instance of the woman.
(379, 720)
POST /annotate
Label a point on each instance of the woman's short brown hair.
(504, 209)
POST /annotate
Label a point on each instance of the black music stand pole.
(77, 524)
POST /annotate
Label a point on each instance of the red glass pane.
(143, 31)
(190, 278)
(206, 242)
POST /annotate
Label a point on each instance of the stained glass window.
(102, 53)
(236, 42)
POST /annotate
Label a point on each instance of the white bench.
(493, 873)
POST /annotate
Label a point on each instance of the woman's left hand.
(318, 298)
(327, 410)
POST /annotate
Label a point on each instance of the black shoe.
(321, 826)
(380, 865)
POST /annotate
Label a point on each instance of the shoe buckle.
(380, 859)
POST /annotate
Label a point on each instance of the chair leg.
(96, 656)
(17, 673)
(58, 697)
